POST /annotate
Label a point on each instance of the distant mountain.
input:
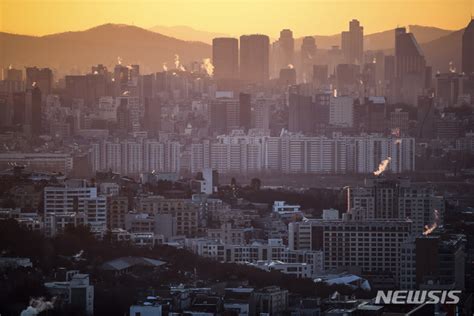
(187, 33)
(440, 52)
(77, 51)
(381, 40)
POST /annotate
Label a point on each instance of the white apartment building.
(132, 157)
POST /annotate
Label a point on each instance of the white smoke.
(119, 60)
(290, 66)
(34, 84)
(38, 305)
(430, 228)
(382, 166)
(176, 61)
(165, 67)
(451, 67)
(208, 66)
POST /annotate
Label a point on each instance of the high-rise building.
(254, 58)
(341, 111)
(352, 43)
(468, 49)
(12, 74)
(449, 88)
(245, 110)
(32, 123)
(352, 243)
(383, 198)
(225, 58)
(40, 77)
(286, 49)
(308, 56)
(410, 67)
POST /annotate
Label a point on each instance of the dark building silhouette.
(254, 58)
(245, 108)
(287, 76)
(286, 48)
(410, 67)
(32, 122)
(152, 117)
(468, 49)
(88, 87)
(308, 56)
(13, 74)
(352, 43)
(225, 58)
(43, 77)
(320, 74)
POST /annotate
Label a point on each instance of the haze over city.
(231, 17)
(236, 158)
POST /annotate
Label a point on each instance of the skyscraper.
(352, 43)
(43, 78)
(286, 48)
(468, 49)
(254, 58)
(308, 54)
(410, 67)
(225, 57)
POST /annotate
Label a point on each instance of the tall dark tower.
(225, 57)
(286, 45)
(468, 49)
(352, 43)
(254, 58)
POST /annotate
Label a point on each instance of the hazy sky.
(36, 17)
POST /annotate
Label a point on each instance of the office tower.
(40, 77)
(399, 120)
(128, 113)
(301, 113)
(320, 74)
(347, 76)
(468, 49)
(6, 110)
(308, 56)
(410, 67)
(254, 58)
(352, 43)
(225, 58)
(349, 242)
(12, 74)
(286, 49)
(287, 76)
(245, 110)
(152, 117)
(224, 114)
(341, 111)
(32, 123)
(373, 119)
(262, 115)
(449, 87)
(383, 198)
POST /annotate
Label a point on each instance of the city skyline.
(302, 17)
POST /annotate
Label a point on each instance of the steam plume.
(430, 228)
(290, 66)
(38, 305)
(176, 61)
(119, 60)
(208, 66)
(165, 67)
(382, 166)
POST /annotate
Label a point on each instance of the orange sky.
(235, 17)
